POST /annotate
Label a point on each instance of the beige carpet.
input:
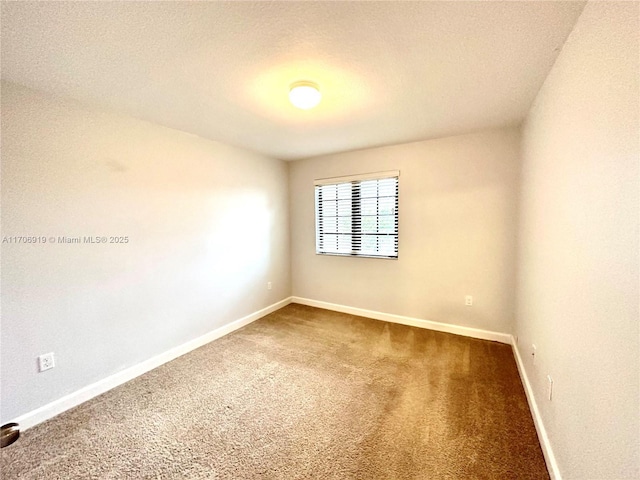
(302, 393)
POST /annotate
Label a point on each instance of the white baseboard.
(549, 457)
(56, 407)
(413, 322)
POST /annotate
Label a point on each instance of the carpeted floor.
(302, 393)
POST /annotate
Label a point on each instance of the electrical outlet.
(268, 285)
(468, 300)
(46, 362)
(549, 387)
(534, 351)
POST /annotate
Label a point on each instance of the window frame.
(355, 214)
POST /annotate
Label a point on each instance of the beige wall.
(457, 232)
(578, 290)
(207, 227)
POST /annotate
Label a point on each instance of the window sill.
(354, 255)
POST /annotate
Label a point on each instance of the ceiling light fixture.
(304, 95)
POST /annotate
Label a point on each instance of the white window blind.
(358, 215)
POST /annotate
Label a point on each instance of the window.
(358, 215)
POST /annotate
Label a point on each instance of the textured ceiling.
(390, 72)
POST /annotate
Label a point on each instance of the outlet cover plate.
(46, 362)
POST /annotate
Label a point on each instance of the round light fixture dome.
(304, 95)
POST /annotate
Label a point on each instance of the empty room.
(320, 240)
